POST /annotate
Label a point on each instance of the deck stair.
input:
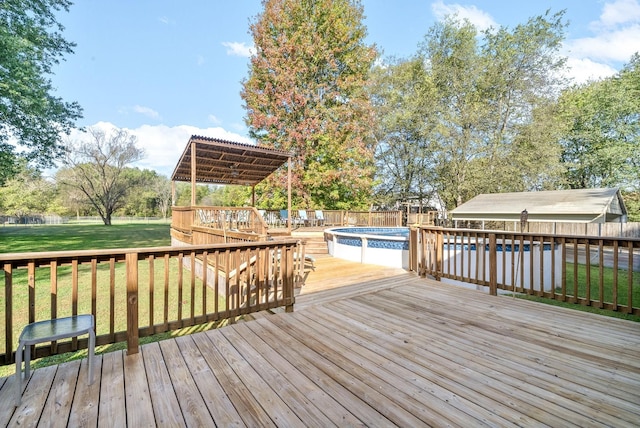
(315, 243)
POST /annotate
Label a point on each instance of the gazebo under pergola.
(216, 161)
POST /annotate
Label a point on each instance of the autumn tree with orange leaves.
(307, 93)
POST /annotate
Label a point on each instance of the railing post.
(439, 250)
(131, 263)
(8, 312)
(287, 280)
(413, 249)
(493, 265)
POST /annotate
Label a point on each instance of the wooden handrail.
(546, 265)
(40, 285)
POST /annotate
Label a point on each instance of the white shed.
(557, 206)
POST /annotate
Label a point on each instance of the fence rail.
(591, 271)
(622, 230)
(248, 219)
(139, 292)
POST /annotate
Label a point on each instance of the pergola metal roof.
(575, 206)
(224, 162)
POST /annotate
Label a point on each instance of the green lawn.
(608, 280)
(16, 239)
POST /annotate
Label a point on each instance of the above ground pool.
(385, 246)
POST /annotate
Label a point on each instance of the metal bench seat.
(48, 331)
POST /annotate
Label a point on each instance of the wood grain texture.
(366, 346)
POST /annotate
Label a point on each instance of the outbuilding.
(554, 206)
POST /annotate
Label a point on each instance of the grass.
(607, 280)
(94, 236)
(18, 239)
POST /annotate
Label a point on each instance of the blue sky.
(165, 70)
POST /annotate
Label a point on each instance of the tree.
(142, 200)
(97, 167)
(306, 93)
(162, 188)
(402, 95)
(183, 194)
(27, 193)
(30, 45)
(487, 92)
(601, 146)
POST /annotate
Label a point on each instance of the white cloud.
(163, 145)
(617, 44)
(616, 36)
(585, 70)
(213, 119)
(239, 49)
(200, 60)
(163, 19)
(146, 111)
(479, 18)
(618, 12)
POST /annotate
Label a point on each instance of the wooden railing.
(139, 292)
(591, 271)
(232, 219)
(423, 219)
(245, 220)
(611, 230)
(362, 218)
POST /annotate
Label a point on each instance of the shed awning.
(574, 206)
(225, 162)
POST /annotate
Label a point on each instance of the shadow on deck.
(366, 346)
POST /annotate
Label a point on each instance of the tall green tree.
(601, 146)
(402, 94)
(97, 167)
(31, 43)
(488, 87)
(144, 199)
(306, 93)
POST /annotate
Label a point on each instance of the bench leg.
(27, 361)
(18, 374)
(92, 346)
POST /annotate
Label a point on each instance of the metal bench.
(48, 331)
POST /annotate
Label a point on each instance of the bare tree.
(162, 187)
(96, 167)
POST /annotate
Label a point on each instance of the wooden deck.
(366, 346)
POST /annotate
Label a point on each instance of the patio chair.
(304, 219)
(319, 217)
(284, 217)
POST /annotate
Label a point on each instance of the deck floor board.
(365, 346)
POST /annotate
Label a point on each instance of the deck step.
(316, 245)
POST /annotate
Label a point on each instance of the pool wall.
(384, 246)
(519, 264)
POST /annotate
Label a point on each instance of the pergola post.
(193, 173)
(289, 195)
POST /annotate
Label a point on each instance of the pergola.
(216, 161)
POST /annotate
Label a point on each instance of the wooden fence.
(612, 230)
(591, 271)
(143, 291)
(273, 218)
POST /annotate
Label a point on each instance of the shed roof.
(575, 206)
(225, 162)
